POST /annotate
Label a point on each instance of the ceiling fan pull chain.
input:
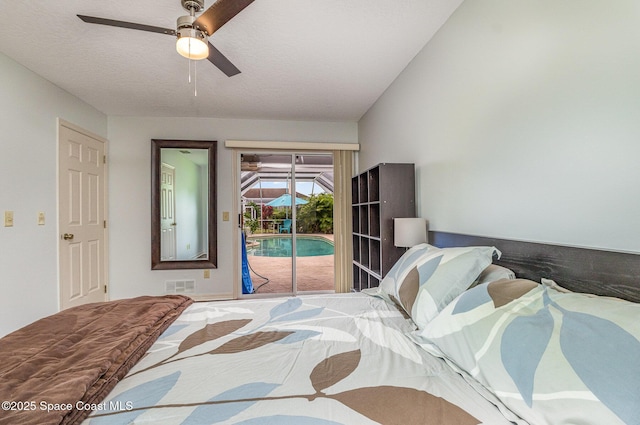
(195, 79)
(189, 63)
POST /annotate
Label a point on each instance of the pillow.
(552, 284)
(550, 357)
(494, 272)
(426, 278)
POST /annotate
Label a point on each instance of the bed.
(450, 337)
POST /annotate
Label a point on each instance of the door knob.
(67, 236)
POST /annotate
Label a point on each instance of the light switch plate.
(207, 274)
(8, 219)
(225, 216)
(40, 218)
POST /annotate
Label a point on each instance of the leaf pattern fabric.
(426, 278)
(311, 360)
(377, 403)
(149, 393)
(334, 369)
(552, 357)
(521, 356)
(215, 410)
(210, 332)
(606, 358)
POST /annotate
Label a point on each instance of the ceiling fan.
(192, 32)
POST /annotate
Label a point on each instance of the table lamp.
(408, 232)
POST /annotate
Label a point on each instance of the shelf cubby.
(356, 277)
(355, 191)
(374, 256)
(355, 217)
(364, 252)
(363, 191)
(364, 279)
(374, 220)
(374, 184)
(364, 219)
(374, 282)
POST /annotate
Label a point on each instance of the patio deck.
(312, 273)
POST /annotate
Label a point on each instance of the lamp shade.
(408, 232)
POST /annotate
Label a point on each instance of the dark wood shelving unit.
(380, 194)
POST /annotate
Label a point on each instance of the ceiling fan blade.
(219, 60)
(123, 24)
(219, 14)
(215, 56)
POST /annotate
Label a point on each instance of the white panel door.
(167, 213)
(82, 206)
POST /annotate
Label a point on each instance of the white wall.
(523, 119)
(130, 192)
(29, 109)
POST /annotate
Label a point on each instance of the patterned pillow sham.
(552, 284)
(551, 357)
(494, 272)
(426, 278)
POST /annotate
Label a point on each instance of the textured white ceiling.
(323, 60)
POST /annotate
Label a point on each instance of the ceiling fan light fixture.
(192, 44)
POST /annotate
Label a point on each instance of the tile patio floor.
(312, 273)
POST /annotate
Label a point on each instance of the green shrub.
(316, 216)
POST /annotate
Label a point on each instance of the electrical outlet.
(8, 219)
(207, 274)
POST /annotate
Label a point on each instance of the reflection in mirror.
(183, 197)
(183, 204)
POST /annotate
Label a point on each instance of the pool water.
(280, 246)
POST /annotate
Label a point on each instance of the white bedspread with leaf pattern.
(326, 359)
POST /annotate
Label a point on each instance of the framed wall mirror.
(183, 204)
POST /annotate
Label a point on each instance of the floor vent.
(180, 286)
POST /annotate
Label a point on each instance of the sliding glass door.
(287, 222)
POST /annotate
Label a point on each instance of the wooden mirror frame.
(212, 260)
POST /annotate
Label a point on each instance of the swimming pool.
(280, 246)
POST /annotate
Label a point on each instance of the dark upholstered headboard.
(608, 273)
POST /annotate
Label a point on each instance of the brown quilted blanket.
(55, 368)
